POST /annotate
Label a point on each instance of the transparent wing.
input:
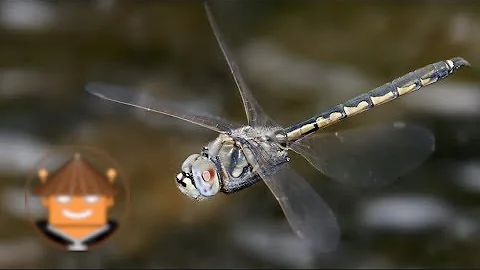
(368, 156)
(308, 215)
(148, 103)
(255, 115)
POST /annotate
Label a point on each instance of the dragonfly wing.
(368, 156)
(255, 114)
(143, 101)
(308, 215)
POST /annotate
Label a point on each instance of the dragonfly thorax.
(235, 156)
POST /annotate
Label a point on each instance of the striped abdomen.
(385, 93)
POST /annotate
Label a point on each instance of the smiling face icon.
(77, 198)
(65, 210)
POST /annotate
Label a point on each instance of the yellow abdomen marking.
(362, 106)
(383, 99)
(333, 117)
(306, 128)
(427, 81)
(407, 89)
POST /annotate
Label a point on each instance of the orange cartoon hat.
(76, 177)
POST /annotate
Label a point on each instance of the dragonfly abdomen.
(380, 95)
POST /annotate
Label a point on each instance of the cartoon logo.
(77, 195)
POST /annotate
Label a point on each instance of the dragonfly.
(243, 155)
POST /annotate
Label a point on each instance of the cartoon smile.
(77, 215)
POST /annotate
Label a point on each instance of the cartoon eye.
(91, 198)
(63, 199)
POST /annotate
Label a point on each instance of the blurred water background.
(299, 58)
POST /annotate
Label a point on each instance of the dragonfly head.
(198, 178)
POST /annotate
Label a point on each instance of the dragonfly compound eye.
(205, 177)
(184, 179)
(187, 164)
(186, 185)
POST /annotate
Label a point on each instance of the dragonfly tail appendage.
(380, 95)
